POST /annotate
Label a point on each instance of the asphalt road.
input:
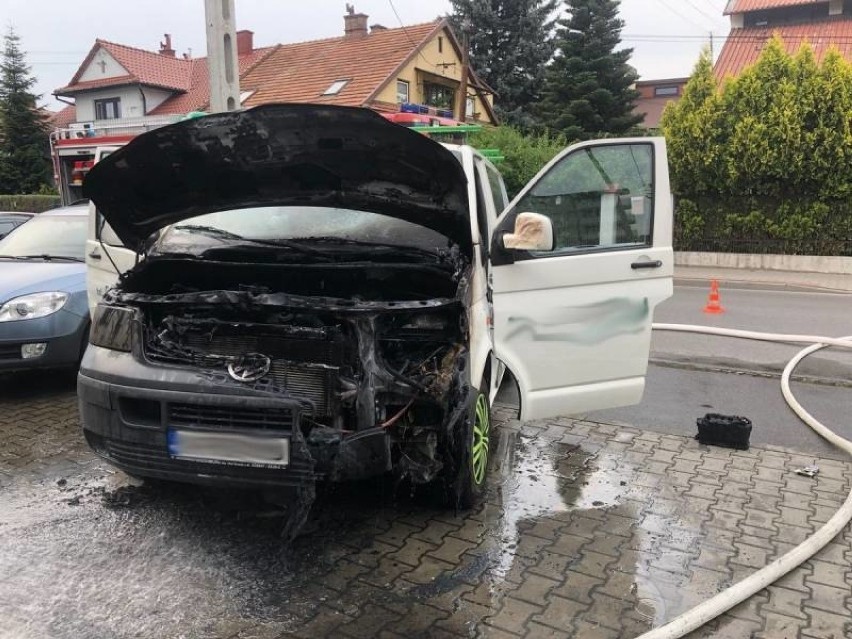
(676, 395)
(675, 398)
(758, 310)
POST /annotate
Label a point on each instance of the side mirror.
(533, 232)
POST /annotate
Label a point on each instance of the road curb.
(814, 370)
(799, 287)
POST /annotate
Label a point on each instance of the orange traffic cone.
(713, 303)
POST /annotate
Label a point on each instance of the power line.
(701, 11)
(679, 14)
(407, 35)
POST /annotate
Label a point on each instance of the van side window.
(481, 215)
(498, 189)
(105, 233)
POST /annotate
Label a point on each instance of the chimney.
(245, 41)
(166, 47)
(355, 24)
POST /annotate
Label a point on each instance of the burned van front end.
(300, 311)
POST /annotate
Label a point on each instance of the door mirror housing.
(533, 232)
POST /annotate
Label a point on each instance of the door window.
(105, 233)
(597, 197)
(109, 109)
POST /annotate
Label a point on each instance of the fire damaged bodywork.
(348, 358)
(365, 386)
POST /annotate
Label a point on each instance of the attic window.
(336, 87)
(665, 90)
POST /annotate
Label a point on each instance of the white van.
(328, 295)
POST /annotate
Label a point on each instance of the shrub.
(32, 203)
(524, 154)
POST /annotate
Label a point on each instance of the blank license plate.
(229, 448)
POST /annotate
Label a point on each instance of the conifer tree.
(510, 43)
(588, 90)
(24, 167)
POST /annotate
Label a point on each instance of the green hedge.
(761, 224)
(524, 154)
(32, 203)
(762, 163)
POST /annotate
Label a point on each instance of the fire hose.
(742, 590)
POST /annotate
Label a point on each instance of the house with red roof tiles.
(654, 95)
(369, 66)
(821, 23)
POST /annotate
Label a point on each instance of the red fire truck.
(74, 150)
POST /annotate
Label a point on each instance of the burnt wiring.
(399, 414)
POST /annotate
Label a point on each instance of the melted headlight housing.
(112, 328)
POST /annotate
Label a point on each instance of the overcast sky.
(666, 35)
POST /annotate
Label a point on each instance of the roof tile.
(302, 72)
(63, 117)
(198, 97)
(744, 46)
(299, 72)
(742, 6)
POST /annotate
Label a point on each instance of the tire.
(470, 455)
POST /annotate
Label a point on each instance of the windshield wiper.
(227, 235)
(380, 246)
(44, 256)
(209, 230)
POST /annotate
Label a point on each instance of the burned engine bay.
(373, 353)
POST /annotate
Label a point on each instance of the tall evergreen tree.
(24, 167)
(588, 89)
(510, 42)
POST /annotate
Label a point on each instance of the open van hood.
(279, 155)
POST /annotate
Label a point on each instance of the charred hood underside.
(279, 155)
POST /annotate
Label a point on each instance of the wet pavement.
(588, 530)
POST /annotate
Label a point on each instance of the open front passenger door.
(580, 258)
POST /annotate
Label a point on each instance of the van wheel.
(470, 454)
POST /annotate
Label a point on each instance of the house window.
(438, 95)
(108, 109)
(402, 91)
(336, 87)
(660, 92)
(469, 108)
(440, 44)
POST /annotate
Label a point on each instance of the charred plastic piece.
(728, 431)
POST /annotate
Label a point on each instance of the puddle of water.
(167, 560)
(527, 480)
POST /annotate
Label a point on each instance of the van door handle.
(95, 255)
(653, 264)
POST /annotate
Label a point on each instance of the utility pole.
(712, 56)
(222, 62)
(464, 71)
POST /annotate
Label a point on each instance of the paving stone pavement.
(588, 530)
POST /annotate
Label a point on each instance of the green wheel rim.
(481, 426)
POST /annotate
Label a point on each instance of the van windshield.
(270, 223)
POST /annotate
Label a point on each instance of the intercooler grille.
(306, 368)
(314, 383)
(229, 417)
